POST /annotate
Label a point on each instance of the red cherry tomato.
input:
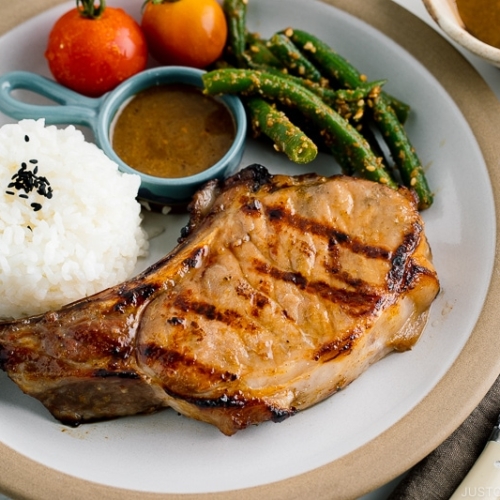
(184, 32)
(93, 49)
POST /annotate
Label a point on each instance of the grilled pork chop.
(282, 291)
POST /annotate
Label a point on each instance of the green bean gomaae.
(286, 136)
(306, 97)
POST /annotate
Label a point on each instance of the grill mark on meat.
(400, 277)
(345, 277)
(332, 350)
(357, 302)
(282, 217)
(205, 309)
(210, 312)
(327, 352)
(254, 297)
(171, 360)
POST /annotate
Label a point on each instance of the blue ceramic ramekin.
(98, 115)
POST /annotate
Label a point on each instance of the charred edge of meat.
(200, 207)
(10, 358)
(102, 373)
(190, 263)
(4, 357)
(279, 414)
(187, 230)
(224, 401)
(237, 402)
(403, 272)
(69, 422)
(255, 176)
(194, 260)
(134, 297)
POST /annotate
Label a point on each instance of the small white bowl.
(445, 13)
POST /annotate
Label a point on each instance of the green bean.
(402, 151)
(385, 116)
(257, 54)
(349, 103)
(349, 148)
(286, 136)
(401, 109)
(235, 12)
(337, 67)
(291, 58)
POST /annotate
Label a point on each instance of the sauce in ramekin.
(172, 130)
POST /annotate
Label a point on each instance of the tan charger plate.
(442, 410)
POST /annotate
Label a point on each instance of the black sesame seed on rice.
(28, 181)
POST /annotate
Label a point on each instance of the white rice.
(83, 239)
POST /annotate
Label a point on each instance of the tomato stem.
(89, 10)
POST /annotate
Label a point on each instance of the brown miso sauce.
(481, 19)
(172, 131)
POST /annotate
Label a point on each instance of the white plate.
(167, 453)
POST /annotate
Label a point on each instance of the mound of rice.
(69, 220)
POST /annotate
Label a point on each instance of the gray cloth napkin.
(439, 474)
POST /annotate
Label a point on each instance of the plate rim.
(429, 423)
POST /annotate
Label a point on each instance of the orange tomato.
(184, 32)
(93, 55)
